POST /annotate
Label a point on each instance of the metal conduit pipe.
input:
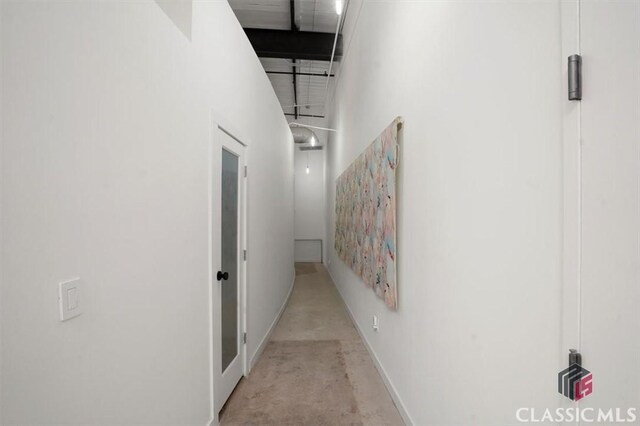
(302, 135)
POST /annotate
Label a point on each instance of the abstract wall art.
(365, 237)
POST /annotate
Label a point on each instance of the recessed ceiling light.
(339, 7)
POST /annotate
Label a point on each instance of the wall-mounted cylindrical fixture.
(574, 70)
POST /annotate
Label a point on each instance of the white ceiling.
(310, 15)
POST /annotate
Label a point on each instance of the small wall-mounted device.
(69, 298)
(375, 323)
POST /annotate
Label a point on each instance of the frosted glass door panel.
(229, 252)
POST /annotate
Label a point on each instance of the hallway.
(316, 369)
(319, 212)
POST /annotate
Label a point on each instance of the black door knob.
(222, 276)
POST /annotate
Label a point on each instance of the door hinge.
(245, 171)
(244, 254)
(244, 338)
(574, 72)
(575, 357)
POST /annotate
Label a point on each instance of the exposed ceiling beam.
(312, 74)
(307, 45)
(292, 15)
(305, 115)
(295, 90)
(294, 28)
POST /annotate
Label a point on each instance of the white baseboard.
(272, 327)
(385, 378)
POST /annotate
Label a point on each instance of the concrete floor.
(315, 370)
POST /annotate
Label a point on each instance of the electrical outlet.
(375, 323)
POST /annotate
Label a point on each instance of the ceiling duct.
(303, 135)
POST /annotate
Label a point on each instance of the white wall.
(309, 199)
(105, 169)
(477, 330)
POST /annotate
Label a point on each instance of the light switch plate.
(69, 298)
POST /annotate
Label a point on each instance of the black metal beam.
(312, 74)
(295, 91)
(304, 115)
(294, 28)
(292, 15)
(285, 44)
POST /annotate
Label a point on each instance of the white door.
(228, 272)
(610, 320)
(603, 319)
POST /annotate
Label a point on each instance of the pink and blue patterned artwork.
(366, 215)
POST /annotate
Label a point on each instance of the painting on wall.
(365, 236)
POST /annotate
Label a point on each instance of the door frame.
(572, 189)
(217, 128)
(571, 296)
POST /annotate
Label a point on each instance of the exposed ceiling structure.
(295, 41)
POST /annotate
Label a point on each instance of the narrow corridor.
(316, 369)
